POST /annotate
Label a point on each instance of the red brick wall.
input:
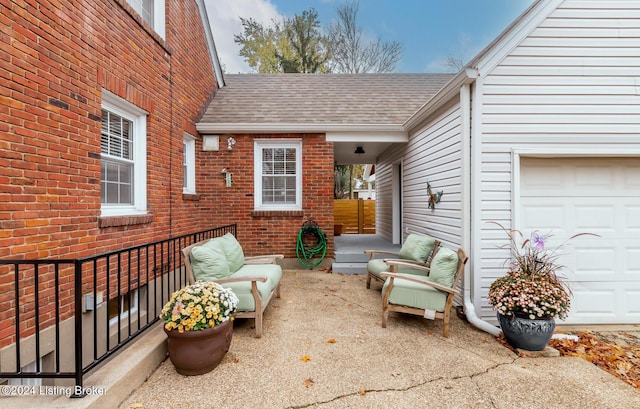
(55, 58)
(268, 232)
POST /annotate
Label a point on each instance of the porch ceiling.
(372, 143)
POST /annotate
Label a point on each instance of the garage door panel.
(601, 177)
(542, 216)
(591, 264)
(632, 257)
(566, 196)
(632, 217)
(630, 176)
(595, 218)
(589, 298)
(594, 304)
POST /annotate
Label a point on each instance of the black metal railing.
(105, 301)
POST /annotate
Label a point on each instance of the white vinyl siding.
(384, 190)
(572, 86)
(434, 155)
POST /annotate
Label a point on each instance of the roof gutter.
(270, 127)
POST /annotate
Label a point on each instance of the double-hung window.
(278, 174)
(123, 147)
(189, 164)
(151, 11)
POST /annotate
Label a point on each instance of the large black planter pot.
(198, 352)
(527, 334)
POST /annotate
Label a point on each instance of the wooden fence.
(356, 216)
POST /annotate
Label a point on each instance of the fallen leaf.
(620, 361)
(331, 341)
(305, 358)
(136, 405)
(308, 382)
(429, 332)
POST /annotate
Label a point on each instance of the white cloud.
(224, 17)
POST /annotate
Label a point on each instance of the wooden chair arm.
(419, 281)
(416, 265)
(266, 259)
(374, 252)
(240, 279)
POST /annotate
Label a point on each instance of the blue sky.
(431, 30)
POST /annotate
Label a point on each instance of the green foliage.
(294, 45)
(308, 45)
(261, 44)
(299, 45)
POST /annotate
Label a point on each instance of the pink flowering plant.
(532, 287)
(199, 306)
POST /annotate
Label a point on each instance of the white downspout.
(470, 170)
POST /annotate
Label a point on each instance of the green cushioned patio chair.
(429, 296)
(417, 249)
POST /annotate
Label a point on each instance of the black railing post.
(78, 328)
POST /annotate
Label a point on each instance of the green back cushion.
(417, 247)
(377, 266)
(209, 262)
(232, 251)
(444, 266)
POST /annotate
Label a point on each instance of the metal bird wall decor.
(433, 197)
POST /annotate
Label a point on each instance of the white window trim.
(158, 16)
(113, 103)
(257, 151)
(190, 157)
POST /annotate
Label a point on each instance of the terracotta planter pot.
(525, 333)
(198, 352)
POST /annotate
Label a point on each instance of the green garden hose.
(311, 244)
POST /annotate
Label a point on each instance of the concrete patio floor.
(407, 365)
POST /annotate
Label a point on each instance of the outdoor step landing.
(349, 268)
(342, 257)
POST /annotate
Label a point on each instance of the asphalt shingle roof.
(323, 99)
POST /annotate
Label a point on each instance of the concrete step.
(342, 257)
(349, 268)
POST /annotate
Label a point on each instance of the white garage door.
(566, 196)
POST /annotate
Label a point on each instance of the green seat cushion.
(417, 247)
(444, 266)
(272, 272)
(233, 251)
(415, 295)
(208, 261)
(377, 266)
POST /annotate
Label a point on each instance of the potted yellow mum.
(198, 321)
